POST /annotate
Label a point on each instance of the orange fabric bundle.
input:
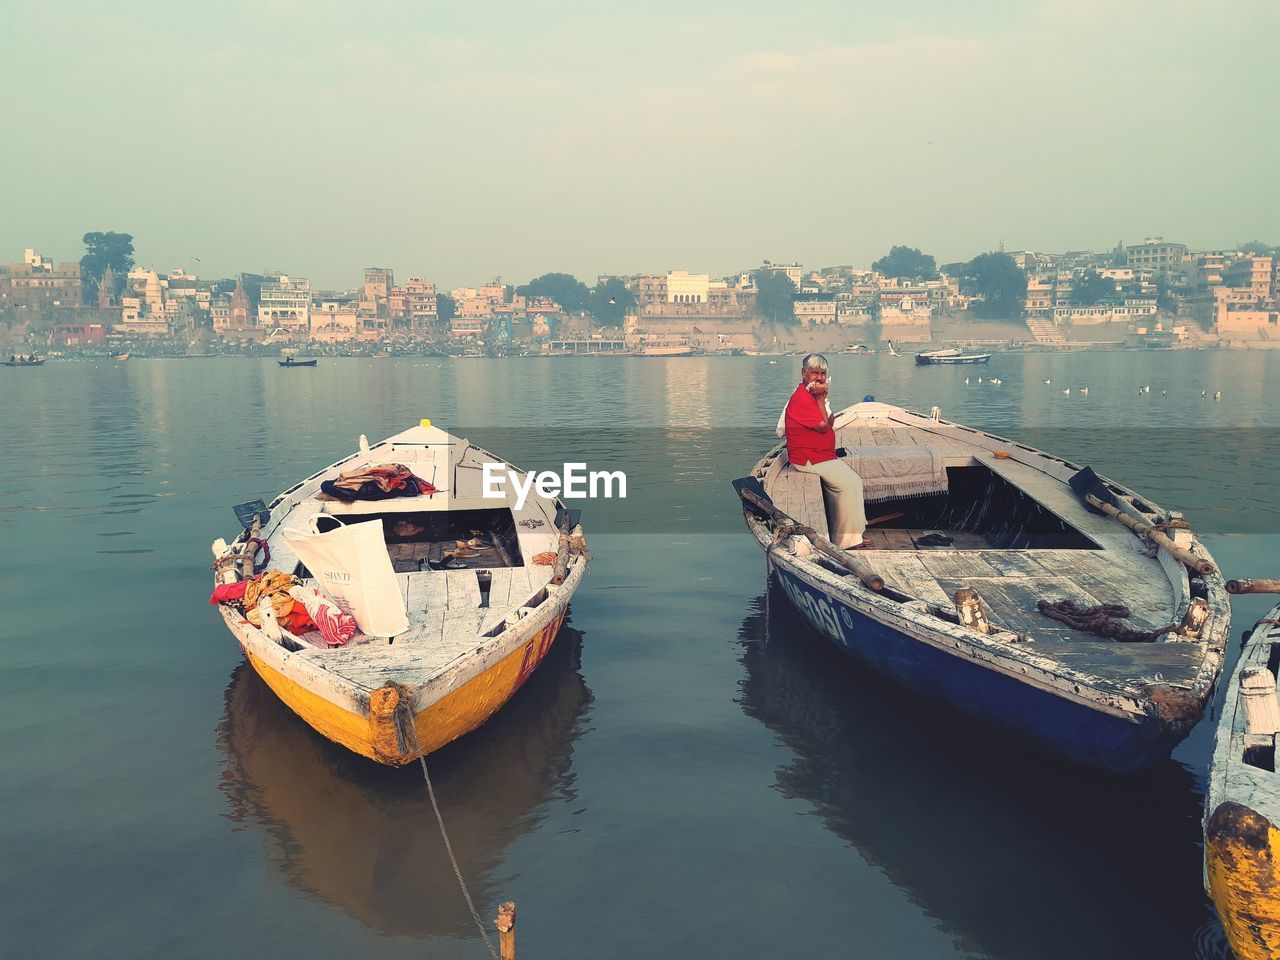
(545, 559)
(273, 584)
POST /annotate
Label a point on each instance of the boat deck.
(450, 615)
(1114, 569)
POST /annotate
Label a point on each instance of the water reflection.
(1014, 854)
(362, 837)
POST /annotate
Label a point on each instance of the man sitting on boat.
(811, 447)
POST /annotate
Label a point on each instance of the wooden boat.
(121, 357)
(1242, 808)
(1010, 528)
(290, 362)
(478, 627)
(950, 356)
(31, 361)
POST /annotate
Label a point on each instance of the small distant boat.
(661, 347)
(290, 362)
(28, 361)
(1242, 807)
(481, 613)
(950, 356)
(975, 533)
(121, 357)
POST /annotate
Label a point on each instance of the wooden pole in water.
(1198, 564)
(1253, 586)
(506, 924)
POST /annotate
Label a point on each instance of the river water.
(690, 774)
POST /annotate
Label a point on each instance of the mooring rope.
(1100, 620)
(407, 735)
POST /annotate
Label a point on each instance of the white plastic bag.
(352, 564)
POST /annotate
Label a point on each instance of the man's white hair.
(814, 361)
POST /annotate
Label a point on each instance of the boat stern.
(1242, 864)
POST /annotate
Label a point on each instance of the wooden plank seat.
(799, 495)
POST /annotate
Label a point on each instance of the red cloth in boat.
(382, 482)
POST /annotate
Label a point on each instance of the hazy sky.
(466, 140)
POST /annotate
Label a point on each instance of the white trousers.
(842, 491)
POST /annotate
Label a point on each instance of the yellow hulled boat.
(1242, 809)
(481, 614)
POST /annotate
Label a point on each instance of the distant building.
(462, 326)
(1253, 274)
(494, 292)
(648, 289)
(1039, 302)
(334, 319)
(814, 309)
(685, 287)
(903, 309)
(285, 302)
(1130, 311)
(421, 305)
(77, 334)
(38, 284)
(1156, 255)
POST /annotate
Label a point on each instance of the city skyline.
(517, 141)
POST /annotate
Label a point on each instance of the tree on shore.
(445, 308)
(103, 250)
(1091, 287)
(611, 301)
(999, 281)
(566, 290)
(1256, 248)
(775, 295)
(907, 262)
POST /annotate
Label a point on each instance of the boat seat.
(799, 496)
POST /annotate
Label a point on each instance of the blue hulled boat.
(970, 533)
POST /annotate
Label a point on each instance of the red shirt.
(805, 413)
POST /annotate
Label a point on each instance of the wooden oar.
(1090, 488)
(1253, 586)
(750, 490)
(885, 518)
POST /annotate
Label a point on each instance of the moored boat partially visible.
(1242, 807)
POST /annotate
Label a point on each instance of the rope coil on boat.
(407, 741)
(1102, 620)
